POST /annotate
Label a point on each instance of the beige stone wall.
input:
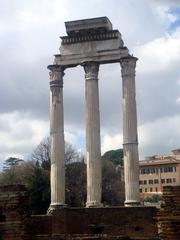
(156, 181)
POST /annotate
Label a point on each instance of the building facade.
(158, 171)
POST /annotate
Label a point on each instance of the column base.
(132, 203)
(54, 208)
(94, 204)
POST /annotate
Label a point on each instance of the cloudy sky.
(29, 36)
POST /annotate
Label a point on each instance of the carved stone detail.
(57, 138)
(130, 139)
(91, 42)
(91, 70)
(56, 79)
(97, 36)
(128, 65)
(93, 145)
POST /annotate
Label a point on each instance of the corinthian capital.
(91, 70)
(56, 78)
(128, 65)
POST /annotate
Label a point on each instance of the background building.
(158, 171)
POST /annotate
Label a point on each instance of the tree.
(75, 177)
(11, 162)
(112, 185)
(76, 184)
(42, 153)
(116, 156)
(155, 198)
(9, 175)
(38, 187)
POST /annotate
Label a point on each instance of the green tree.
(155, 198)
(9, 175)
(38, 187)
(11, 163)
(42, 154)
(76, 184)
(112, 185)
(115, 156)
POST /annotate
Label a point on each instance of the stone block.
(88, 25)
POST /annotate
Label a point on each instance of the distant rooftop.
(88, 25)
(176, 151)
(162, 159)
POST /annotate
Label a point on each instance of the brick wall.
(13, 212)
(169, 214)
(72, 223)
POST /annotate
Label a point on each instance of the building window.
(161, 170)
(174, 169)
(145, 189)
(150, 181)
(168, 180)
(145, 182)
(151, 189)
(156, 181)
(140, 190)
(157, 170)
(152, 170)
(170, 169)
(162, 180)
(143, 171)
(140, 182)
(174, 180)
(156, 189)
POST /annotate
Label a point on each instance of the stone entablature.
(97, 36)
(89, 25)
(90, 40)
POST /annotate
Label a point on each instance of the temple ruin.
(90, 43)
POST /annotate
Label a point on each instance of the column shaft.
(130, 139)
(57, 138)
(93, 147)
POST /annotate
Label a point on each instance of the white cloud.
(27, 15)
(172, 17)
(23, 133)
(160, 136)
(110, 142)
(29, 37)
(178, 100)
(160, 54)
(71, 138)
(156, 137)
(41, 13)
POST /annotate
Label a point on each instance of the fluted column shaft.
(93, 148)
(130, 138)
(57, 138)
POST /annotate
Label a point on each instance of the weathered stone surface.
(89, 25)
(73, 223)
(57, 138)
(13, 212)
(169, 214)
(130, 138)
(90, 40)
(93, 146)
(102, 57)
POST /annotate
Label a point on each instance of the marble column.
(130, 138)
(57, 138)
(93, 146)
